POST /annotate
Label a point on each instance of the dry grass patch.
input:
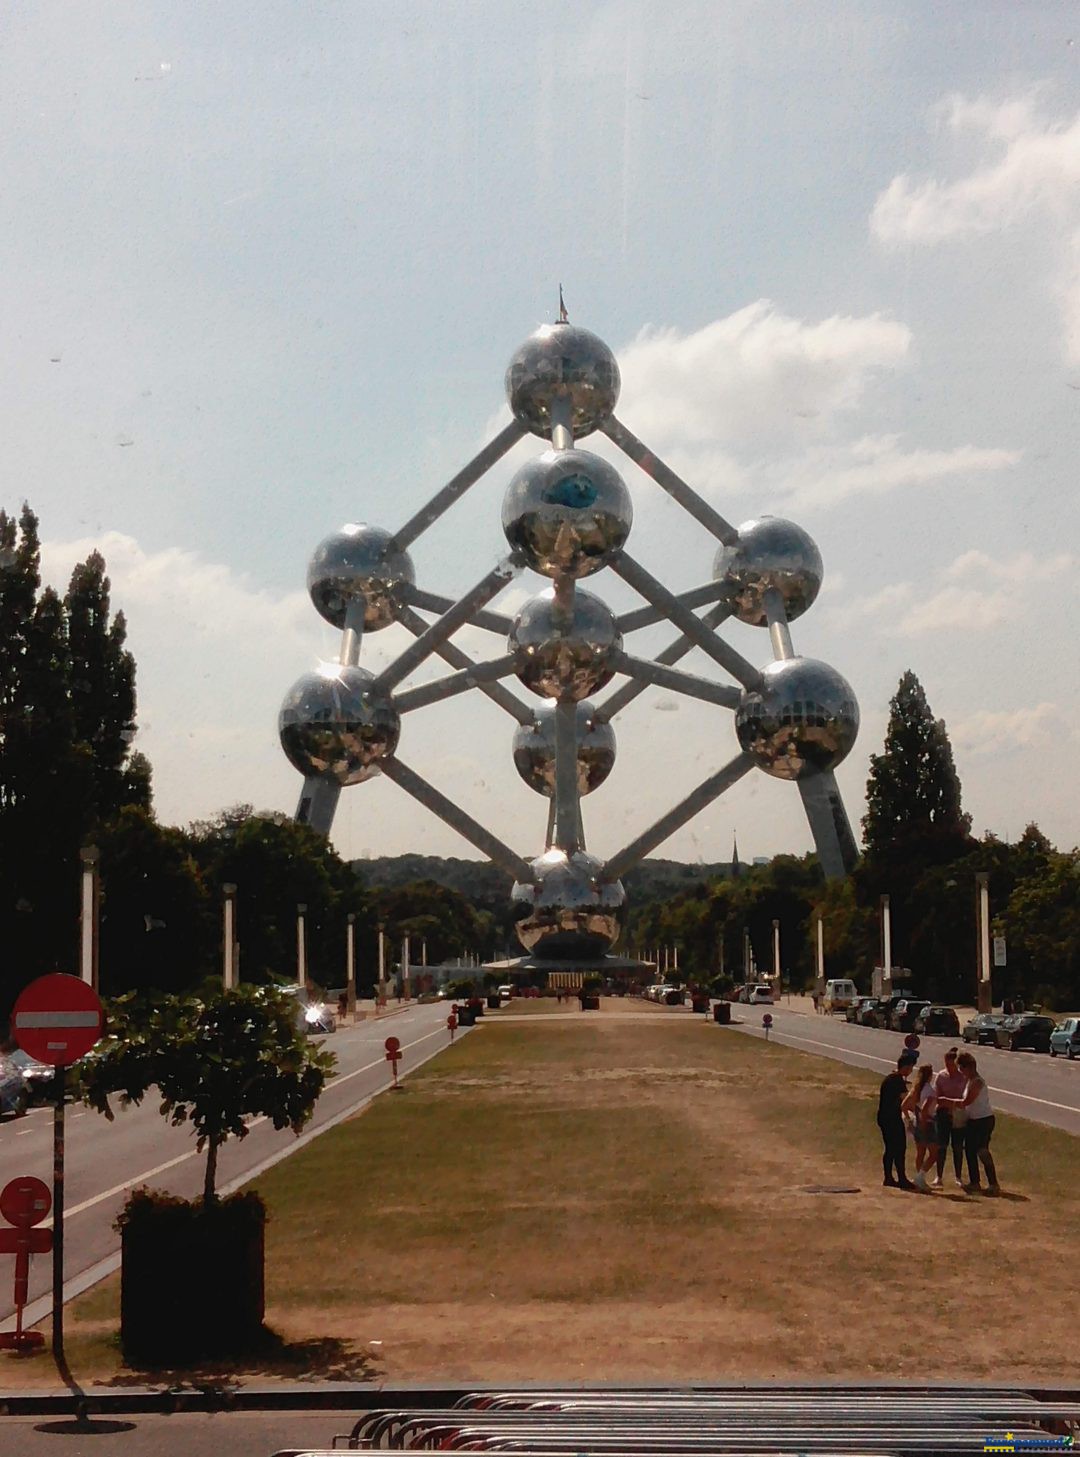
(623, 1198)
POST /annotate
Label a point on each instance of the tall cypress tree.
(913, 791)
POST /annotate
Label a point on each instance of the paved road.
(105, 1160)
(1033, 1085)
(241, 1434)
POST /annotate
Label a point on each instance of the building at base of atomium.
(567, 515)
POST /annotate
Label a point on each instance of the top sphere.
(561, 361)
(358, 561)
(568, 512)
(770, 552)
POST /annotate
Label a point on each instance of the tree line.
(69, 777)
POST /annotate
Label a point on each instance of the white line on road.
(891, 1062)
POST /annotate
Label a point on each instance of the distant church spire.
(736, 868)
(564, 317)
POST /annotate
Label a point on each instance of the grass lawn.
(618, 1197)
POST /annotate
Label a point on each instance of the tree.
(913, 791)
(214, 1061)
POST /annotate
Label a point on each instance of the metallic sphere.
(801, 721)
(564, 655)
(568, 512)
(561, 361)
(566, 914)
(770, 552)
(333, 726)
(534, 751)
(358, 561)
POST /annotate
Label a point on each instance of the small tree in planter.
(192, 1277)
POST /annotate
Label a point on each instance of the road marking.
(23, 1132)
(891, 1062)
(182, 1158)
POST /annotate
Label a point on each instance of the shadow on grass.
(318, 1358)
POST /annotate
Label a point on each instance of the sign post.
(24, 1202)
(58, 1019)
(451, 1022)
(393, 1057)
(766, 1022)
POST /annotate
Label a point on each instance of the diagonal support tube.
(452, 654)
(456, 683)
(675, 818)
(625, 695)
(445, 626)
(456, 818)
(567, 811)
(467, 476)
(666, 478)
(658, 674)
(635, 575)
(647, 616)
(496, 622)
(829, 824)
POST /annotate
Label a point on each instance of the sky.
(264, 266)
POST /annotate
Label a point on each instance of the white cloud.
(986, 732)
(1021, 570)
(956, 609)
(876, 465)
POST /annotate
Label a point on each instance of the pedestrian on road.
(980, 1125)
(920, 1105)
(816, 999)
(890, 1121)
(951, 1121)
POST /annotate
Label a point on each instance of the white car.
(760, 996)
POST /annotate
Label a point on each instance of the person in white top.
(980, 1125)
(921, 1103)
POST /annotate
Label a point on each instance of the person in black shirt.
(891, 1122)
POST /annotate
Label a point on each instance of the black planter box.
(722, 1012)
(590, 1003)
(494, 1002)
(700, 1004)
(192, 1280)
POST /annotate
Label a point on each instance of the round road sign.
(25, 1202)
(57, 1019)
(911, 1042)
(766, 1021)
(392, 1045)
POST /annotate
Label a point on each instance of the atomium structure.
(567, 516)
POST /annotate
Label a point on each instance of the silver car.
(14, 1094)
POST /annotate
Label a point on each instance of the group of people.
(949, 1111)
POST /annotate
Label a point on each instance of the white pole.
(301, 947)
(350, 966)
(776, 952)
(88, 938)
(821, 952)
(985, 993)
(228, 976)
(405, 954)
(886, 951)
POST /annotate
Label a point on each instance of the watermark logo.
(1042, 1442)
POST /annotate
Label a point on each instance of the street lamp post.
(776, 955)
(350, 966)
(886, 948)
(228, 937)
(985, 997)
(301, 946)
(381, 997)
(90, 857)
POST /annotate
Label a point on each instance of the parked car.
(886, 1007)
(14, 1094)
(902, 1017)
(38, 1076)
(761, 995)
(735, 994)
(937, 1021)
(853, 1012)
(1025, 1029)
(1065, 1039)
(869, 1012)
(982, 1029)
(505, 992)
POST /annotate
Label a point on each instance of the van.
(839, 995)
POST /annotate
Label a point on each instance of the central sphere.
(333, 726)
(802, 721)
(560, 654)
(534, 751)
(568, 512)
(566, 914)
(770, 552)
(561, 361)
(359, 561)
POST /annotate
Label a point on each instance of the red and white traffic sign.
(57, 1019)
(393, 1048)
(25, 1201)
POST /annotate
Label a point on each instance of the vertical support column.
(318, 801)
(820, 954)
(90, 857)
(985, 990)
(350, 966)
(886, 948)
(567, 813)
(353, 633)
(405, 958)
(779, 632)
(301, 945)
(562, 436)
(829, 825)
(776, 954)
(228, 937)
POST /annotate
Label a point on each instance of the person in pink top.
(950, 1083)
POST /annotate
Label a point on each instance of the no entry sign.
(57, 1019)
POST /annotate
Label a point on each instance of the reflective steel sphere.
(568, 512)
(770, 552)
(566, 914)
(801, 721)
(534, 751)
(358, 561)
(564, 656)
(561, 360)
(332, 725)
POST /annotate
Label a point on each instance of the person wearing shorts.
(980, 1125)
(950, 1083)
(920, 1105)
